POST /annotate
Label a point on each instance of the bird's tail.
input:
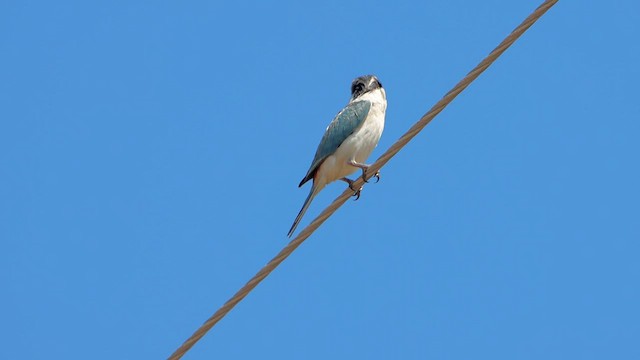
(312, 193)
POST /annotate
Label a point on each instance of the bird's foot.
(365, 169)
(376, 175)
(356, 192)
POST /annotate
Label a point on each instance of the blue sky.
(150, 154)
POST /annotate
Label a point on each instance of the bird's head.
(364, 84)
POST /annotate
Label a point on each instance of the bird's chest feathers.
(362, 142)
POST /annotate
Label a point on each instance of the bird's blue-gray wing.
(344, 124)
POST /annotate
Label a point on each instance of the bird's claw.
(376, 175)
(356, 192)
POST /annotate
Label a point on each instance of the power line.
(382, 160)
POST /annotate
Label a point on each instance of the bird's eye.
(357, 88)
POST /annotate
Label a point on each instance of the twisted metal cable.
(382, 160)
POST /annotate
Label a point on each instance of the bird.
(348, 140)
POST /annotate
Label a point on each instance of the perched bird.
(348, 141)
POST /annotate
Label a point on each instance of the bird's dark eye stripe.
(357, 88)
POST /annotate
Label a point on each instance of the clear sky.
(150, 154)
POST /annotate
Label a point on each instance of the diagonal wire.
(382, 160)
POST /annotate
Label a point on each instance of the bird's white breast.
(359, 145)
